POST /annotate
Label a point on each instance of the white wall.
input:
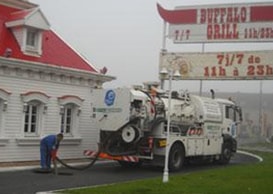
(18, 84)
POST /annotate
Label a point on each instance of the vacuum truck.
(134, 127)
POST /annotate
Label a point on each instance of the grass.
(261, 145)
(248, 178)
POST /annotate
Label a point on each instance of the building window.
(69, 122)
(32, 37)
(31, 118)
(67, 119)
(34, 111)
(1, 113)
(4, 96)
(70, 111)
(3, 109)
(33, 41)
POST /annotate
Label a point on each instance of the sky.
(126, 37)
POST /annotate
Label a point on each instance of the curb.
(250, 154)
(17, 168)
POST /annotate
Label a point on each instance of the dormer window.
(32, 37)
(27, 27)
(33, 41)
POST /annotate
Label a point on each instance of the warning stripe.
(107, 156)
(130, 158)
(195, 131)
(89, 153)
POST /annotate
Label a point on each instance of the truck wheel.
(130, 164)
(226, 154)
(176, 157)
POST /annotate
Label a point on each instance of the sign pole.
(167, 149)
(163, 49)
(261, 108)
(201, 81)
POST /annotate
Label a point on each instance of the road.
(28, 182)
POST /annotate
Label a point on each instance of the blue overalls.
(48, 144)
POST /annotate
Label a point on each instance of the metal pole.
(201, 88)
(201, 82)
(164, 36)
(166, 168)
(260, 108)
(163, 49)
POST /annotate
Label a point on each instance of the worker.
(48, 149)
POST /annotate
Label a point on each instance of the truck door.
(233, 116)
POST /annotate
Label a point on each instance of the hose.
(97, 155)
(157, 121)
(78, 168)
(88, 165)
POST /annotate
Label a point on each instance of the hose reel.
(130, 134)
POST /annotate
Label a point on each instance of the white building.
(45, 87)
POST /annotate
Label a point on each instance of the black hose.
(157, 121)
(99, 151)
(96, 157)
(88, 165)
(78, 168)
(83, 167)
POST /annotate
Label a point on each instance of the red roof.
(54, 50)
(19, 14)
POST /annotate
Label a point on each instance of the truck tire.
(226, 153)
(176, 157)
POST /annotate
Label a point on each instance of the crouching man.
(48, 149)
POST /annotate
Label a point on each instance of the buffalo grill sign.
(220, 23)
(220, 65)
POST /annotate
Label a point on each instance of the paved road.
(28, 182)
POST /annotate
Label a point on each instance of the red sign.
(220, 23)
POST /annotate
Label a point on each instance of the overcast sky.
(126, 37)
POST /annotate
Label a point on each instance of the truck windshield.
(234, 113)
